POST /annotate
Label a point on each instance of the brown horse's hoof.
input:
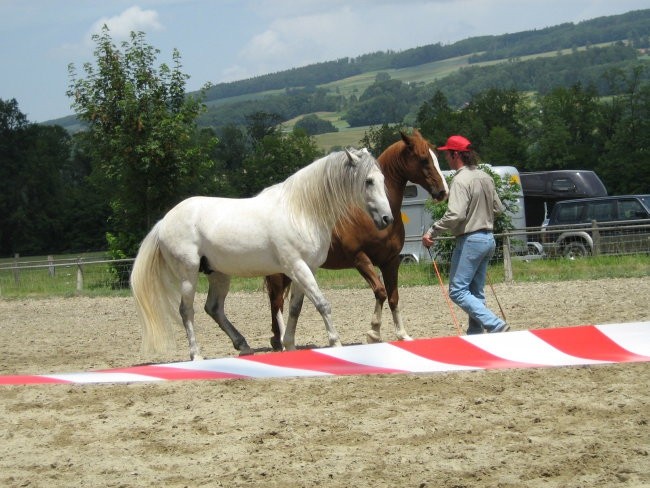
(373, 337)
(246, 351)
(276, 344)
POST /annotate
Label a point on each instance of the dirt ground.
(556, 427)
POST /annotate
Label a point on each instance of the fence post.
(16, 271)
(50, 266)
(80, 275)
(507, 262)
(595, 235)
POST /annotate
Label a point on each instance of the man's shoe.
(500, 328)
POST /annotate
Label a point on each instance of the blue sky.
(226, 40)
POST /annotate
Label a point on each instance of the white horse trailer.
(417, 219)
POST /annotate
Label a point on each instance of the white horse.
(286, 229)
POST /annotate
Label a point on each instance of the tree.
(493, 122)
(312, 124)
(142, 134)
(377, 138)
(274, 158)
(261, 124)
(625, 126)
(233, 148)
(87, 213)
(436, 120)
(34, 198)
(383, 102)
(566, 136)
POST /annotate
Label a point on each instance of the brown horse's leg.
(277, 286)
(367, 270)
(390, 273)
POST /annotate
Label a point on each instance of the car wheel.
(574, 250)
(408, 259)
(535, 248)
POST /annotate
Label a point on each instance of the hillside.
(527, 61)
(632, 25)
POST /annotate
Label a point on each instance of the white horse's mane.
(325, 190)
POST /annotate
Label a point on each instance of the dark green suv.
(603, 225)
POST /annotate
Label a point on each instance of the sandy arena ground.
(558, 427)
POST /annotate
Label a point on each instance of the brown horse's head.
(419, 164)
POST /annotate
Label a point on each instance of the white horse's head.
(374, 194)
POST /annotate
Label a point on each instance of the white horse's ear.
(353, 159)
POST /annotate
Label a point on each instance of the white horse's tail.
(155, 297)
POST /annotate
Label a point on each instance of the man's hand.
(427, 240)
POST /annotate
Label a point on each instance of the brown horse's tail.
(151, 280)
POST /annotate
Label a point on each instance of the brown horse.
(356, 242)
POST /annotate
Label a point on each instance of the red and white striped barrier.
(569, 346)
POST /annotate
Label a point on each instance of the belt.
(485, 231)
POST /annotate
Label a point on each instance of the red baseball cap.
(456, 143)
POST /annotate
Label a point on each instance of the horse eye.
(369, 182)
(424, 161)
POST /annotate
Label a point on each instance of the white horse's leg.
(214, 307)
(295, 306)
(186, 309)
(304, 277)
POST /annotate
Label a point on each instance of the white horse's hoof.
(373, 337)
(198, 357)
(405, 338)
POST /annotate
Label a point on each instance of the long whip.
(445, 294)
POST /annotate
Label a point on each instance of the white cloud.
(132, 19)
(304, 39)
(120, 27)
(268, 44)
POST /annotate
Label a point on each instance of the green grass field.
(98, 278)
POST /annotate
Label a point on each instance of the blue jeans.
(469, 263)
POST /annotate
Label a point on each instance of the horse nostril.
(388, 219)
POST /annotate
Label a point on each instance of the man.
(473, 202)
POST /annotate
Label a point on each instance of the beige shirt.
(473, 201)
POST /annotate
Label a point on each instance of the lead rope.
(496, 298)
(444, 294)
